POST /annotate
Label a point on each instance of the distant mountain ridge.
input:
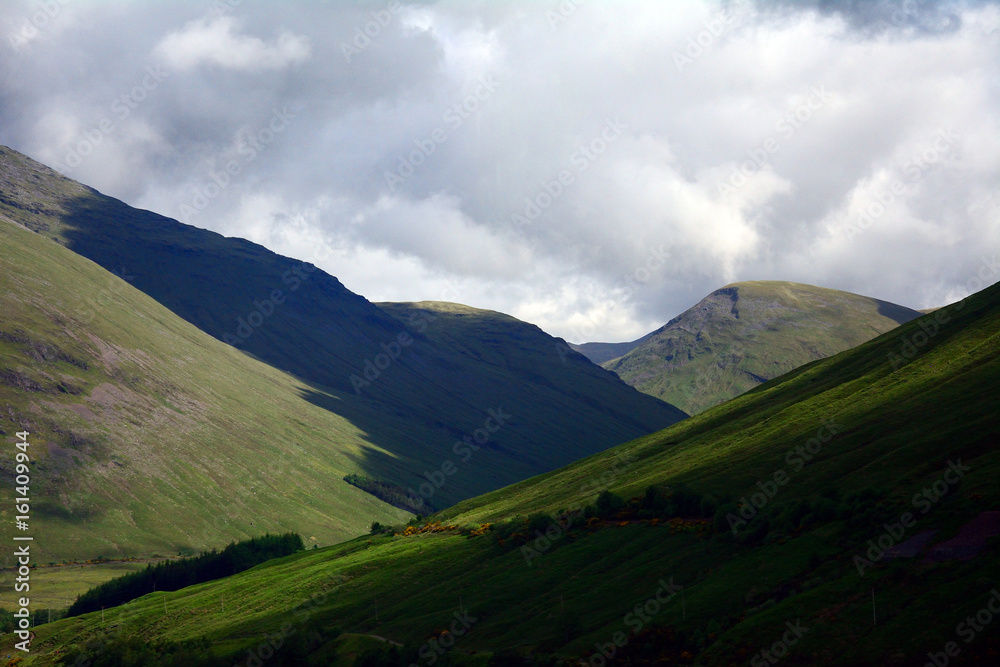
(747, 333)
(600, 353)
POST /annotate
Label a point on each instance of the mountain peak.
(749, 332)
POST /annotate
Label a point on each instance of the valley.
(500, 334)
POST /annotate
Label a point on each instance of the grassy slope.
(149, 435)
(746, 333)
(417, 407)
(898, 429)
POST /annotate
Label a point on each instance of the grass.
(57, 586)
(167, 440)
(897, 428)
(747, 333)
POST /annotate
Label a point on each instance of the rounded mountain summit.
(745, 334)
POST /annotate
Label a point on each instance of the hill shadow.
(295, 317)
(899, 314)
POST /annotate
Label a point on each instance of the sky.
(595, 168)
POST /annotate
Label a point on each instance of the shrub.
(608, 504)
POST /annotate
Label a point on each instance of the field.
(56, 586)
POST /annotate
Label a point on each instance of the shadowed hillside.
(414, 398)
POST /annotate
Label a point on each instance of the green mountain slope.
(895, 439)
(415, 399)
(747, 333)
(148, 435)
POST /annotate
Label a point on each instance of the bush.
(608, 504)
(684, 502)
(538, 523)
(136, 651)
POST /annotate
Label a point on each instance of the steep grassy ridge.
(413, 396)
(148, 435)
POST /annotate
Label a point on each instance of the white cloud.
(216, 41)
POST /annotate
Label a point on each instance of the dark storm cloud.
(877, 16)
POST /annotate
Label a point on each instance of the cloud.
(595, 168)
(214, 41)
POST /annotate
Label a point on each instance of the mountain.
(510, 346)
(413, 399)
(600, 353)
(748, 333)
(892, 446)
(147, 435)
